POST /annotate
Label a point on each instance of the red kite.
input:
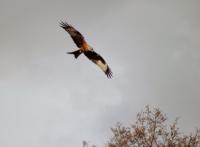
(85, 48)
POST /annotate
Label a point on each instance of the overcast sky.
(49, 99)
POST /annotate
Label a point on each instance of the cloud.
(50, 99)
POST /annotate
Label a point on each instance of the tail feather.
(75, 53)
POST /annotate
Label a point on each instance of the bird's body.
(86, 49)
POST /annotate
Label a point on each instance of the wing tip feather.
(64, 25)
(109, 73)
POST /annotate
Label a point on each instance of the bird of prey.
(86, 49)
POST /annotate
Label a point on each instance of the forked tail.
(75, 53)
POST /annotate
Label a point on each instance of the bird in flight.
(86, 49)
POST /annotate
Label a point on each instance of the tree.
(150, 130)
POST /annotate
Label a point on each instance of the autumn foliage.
(151, 130)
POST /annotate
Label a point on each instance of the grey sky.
(48, 98)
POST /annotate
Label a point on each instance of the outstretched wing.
(98, 60)
(76, 35)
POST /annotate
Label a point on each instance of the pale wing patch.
(101, 65)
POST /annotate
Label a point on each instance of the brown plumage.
(85, 48)
(76, 35)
